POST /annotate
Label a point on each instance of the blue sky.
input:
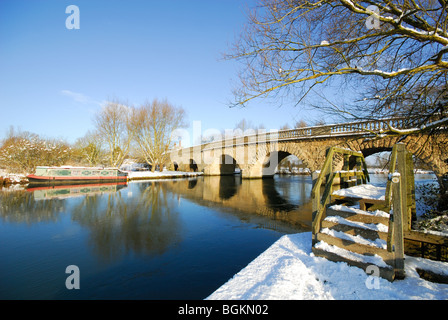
(53, 80)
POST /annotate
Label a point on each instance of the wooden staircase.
(357, 237)
(353, 224)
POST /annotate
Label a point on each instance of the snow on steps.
(362, 191)
(355, 214)
(357, 237)
(363, 261)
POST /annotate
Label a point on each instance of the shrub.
(21, 153)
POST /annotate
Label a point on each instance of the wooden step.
(363, 191)
(367, 231)
(355, 214)
(335, 254)
(366, 195)
(356, 244)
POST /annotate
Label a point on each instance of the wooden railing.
(400, 203)
(328, 176)
(399, 200)
(400, 197)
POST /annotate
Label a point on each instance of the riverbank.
(7, 179)
(288, 270)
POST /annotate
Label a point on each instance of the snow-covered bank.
(386, 171)
(11, 178)
(141, 175)
(15, 178)
(288, 270)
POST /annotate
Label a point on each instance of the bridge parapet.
(256, 155)
(348, 128)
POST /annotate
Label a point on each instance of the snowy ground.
(13, 177)
(288, 270)
(133, 175)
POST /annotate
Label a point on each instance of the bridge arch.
(222, 164)
(431, 150)
(193, 166)
(270, 157)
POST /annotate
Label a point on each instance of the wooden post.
(393, 160)
(359, 168)
(401, 168)
(399, 208)
(410, 179)
(315, 207)
(345, 167)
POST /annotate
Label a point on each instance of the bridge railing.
(349, 128)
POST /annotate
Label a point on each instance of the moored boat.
(68, 174)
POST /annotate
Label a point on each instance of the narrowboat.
(70, 175)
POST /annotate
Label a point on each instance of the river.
(160, 239)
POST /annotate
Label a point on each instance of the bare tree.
(301, 124)
(285, 127)
(392, 55)
(113, 124)
(243, 127)
(154, 123)
(89, 148)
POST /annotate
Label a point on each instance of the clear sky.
(53, 79)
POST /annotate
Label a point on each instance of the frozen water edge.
(288, 270)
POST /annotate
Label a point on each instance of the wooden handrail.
(319, 203)
(395, 238)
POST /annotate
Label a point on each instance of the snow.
(288, 270)
(375, 259)
(364, 191)
(437, 225)
(13, 177)
(417, 129)
(354, 209)
(370, 226)
(357, 239)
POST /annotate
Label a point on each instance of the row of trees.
(121, 130)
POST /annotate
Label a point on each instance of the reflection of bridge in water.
(280, 204)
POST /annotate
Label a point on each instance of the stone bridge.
(258, 155)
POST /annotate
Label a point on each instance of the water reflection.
(70, 191)
(120, 223)
(284, 203)
(143, 217)
(19, 206)
(148, 239)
